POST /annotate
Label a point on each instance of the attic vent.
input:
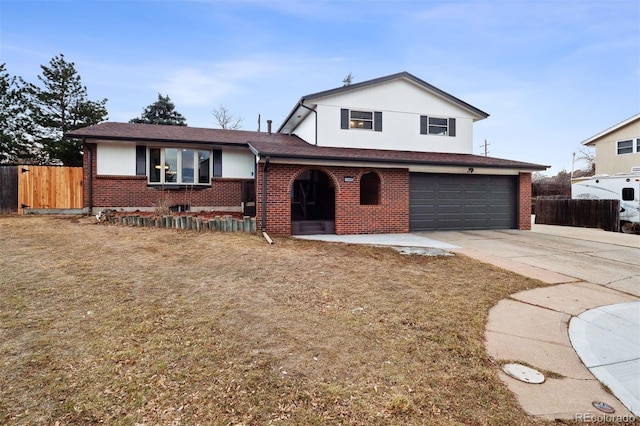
(635, 169)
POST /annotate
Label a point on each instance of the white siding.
(238, 164)
(116, 159)
(307, 128)
(401, 103)
(608, 161)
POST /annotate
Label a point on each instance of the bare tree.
(347, 80)
(225, 120)
(589, 158)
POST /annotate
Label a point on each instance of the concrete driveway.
(586, 328)
(556, 254)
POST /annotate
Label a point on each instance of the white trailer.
(623, 187)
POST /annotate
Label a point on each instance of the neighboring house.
(618, 147)
(393, 154)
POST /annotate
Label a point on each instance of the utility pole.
(486, 147)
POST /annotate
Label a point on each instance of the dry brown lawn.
(119, 325)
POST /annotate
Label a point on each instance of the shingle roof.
(278, 145)
(295, 148)
(162, 133)
(298, 109)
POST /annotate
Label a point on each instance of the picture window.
(179, 166)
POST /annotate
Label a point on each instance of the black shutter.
(217, 163)
(377, 121)
(141, 160)
(344, 118)
(424, 125)
(452, 127)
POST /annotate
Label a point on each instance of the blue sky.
(549, 73)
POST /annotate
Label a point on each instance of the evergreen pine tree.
(59, 106)
(162, 111)
(15, 121)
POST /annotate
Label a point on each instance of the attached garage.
(462, 202)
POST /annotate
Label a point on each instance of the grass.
(118, 325)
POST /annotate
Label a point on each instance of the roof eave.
(532, 167)
(480, 115)
(134, 139)
(298, 109)
(591, 141)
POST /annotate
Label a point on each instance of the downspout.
(90, 183)
(316, 117)
(264, 200)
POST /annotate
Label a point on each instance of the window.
(438, 126)
(179, 166)
(367, 120)
(370, 189)
(628, 147)
(361, 120)
(141, 160)
(628, 194)
(625, 147)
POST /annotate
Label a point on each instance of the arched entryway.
(313, 203)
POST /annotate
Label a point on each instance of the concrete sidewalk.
(587, 269)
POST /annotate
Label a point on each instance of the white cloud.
(208, 84)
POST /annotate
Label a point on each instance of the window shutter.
(452, 127)
(141, 160)
(377, 121)
(344, 118)
(424, 125)
(217, 163)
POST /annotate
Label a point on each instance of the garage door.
(449, 202)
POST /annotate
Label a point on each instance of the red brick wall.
(132, 191)
(524, 201)
(391, 215)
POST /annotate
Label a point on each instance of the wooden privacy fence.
(40, 187)
(603, 214)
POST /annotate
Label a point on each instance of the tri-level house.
(393, 154)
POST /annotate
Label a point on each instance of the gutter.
(155, 141)
(400, 162)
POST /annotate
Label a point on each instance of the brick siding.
(389, 216)
(524, 201)
(133, 191)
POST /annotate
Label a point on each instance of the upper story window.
(183, 166)
(367, 120)
(439, 126)
(361, 120)
(628, 146)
